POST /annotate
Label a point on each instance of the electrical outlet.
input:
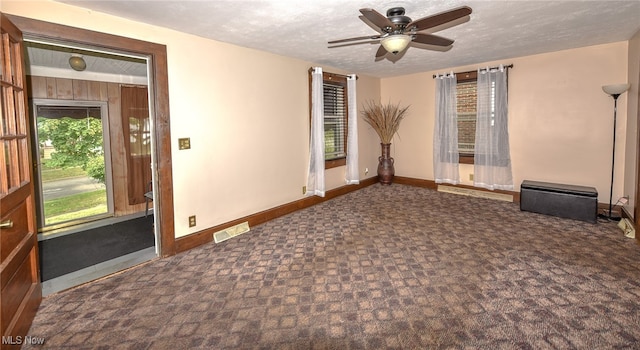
(304, 189)
(470, 177)
(192, 221)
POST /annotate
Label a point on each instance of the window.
(72, 138)
(335, 113)
(336, 118)
(467, 100)
(467, 103)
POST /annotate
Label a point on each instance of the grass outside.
(71, 207)
(75, 206)
(51, 174)
(76, 215)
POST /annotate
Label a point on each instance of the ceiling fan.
(396, 32)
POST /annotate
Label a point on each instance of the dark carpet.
(73, 252)
(385, 267)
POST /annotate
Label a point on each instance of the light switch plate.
(184, 143)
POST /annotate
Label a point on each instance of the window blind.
(335, 121)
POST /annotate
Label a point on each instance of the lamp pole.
(613, 157)
(615, 91)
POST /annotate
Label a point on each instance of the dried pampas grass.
(384, 119)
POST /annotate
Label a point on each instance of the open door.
(20, 290)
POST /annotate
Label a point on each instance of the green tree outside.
(77, 142)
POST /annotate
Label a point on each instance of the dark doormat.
(62, 255)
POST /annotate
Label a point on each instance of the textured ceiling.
(496, 30)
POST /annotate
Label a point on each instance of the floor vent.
(475, 193)
(231, 232)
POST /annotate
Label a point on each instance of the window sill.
(465, 159)
(334, 163)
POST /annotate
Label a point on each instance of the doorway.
(92, 221)
(26, 295)
(156, 55)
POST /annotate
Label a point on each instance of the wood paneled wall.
(84, 90)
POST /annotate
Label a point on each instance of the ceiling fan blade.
(381, 52)
(369, 37)
(449, 24)
(370, 24)
(436, 20)
(376, 18)
(431, 39)
(430, 47)
(351, 44)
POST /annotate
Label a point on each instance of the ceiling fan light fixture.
(395, 43)
(77, 62)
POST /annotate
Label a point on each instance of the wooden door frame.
(636, 214)
(159, 92)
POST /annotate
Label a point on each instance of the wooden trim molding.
(616, 210)
(205, 236)
(430, 184)
(625, 214)
(636, 210)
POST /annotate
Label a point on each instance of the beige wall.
(633, 113)
(246, 112)
(560, 120)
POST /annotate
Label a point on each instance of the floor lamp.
(615, 91)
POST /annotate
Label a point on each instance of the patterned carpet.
(385, 267)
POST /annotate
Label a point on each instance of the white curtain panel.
(445, 138)
(315, 179)
(492, 160)
(352, 174)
